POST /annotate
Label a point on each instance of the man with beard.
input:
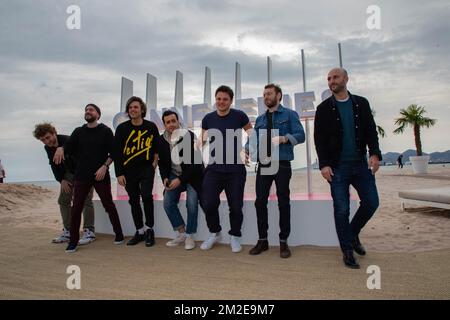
(277, 131)
(64, 174)
(92, 145)
(136, 144)
(343, 128)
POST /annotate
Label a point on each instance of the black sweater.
(135, 147)
(91, 147)
(328, 131)
(69, 164)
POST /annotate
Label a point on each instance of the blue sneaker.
(71, 248)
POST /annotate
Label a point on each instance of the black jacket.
(328, 131)
(191, 173)
(68, 165)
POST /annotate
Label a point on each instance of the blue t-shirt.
(349, 150)
(234, 120)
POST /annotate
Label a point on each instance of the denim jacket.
(288, 124)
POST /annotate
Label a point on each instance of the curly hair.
(41, 129)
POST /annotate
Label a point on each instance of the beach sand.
(411, 248)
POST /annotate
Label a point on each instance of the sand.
(411, 248)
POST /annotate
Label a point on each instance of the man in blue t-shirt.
(225, 170)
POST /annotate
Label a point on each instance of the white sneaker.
(208, 243)
(235, 244)
(189, 244)
(88, 237)
(63, 237)
(177, 241)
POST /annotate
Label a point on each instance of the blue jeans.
(171, 200)
(361, 178)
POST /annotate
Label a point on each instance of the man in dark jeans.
(223, 130)
(136, 144)
(64, 174)
(343, 128)
(277, 132)
(92, 145)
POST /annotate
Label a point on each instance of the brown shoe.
(261, 246)
(284, 250)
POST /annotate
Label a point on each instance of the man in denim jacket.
(276, 133)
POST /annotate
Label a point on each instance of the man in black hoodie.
(64, 174)
(343, 129)
(92, 145)
(181, 169)
(136, 143)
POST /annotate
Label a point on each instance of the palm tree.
(414, 116)
(380, 130)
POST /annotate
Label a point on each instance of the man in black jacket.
(136, 144)
(181, 169)
(92, 145)
(343, 128)
(64, 174)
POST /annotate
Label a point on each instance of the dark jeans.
(141, 185)
(213, 184)
(81, 191)
(361, 178)
(263, 184)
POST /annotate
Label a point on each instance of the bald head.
(337, 80)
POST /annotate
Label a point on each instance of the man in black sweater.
(136, 157)
(343, 128)
(92, 145)
(181, 169)
(64, 174)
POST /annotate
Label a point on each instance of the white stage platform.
(312, 220)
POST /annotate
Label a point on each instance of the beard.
(89, 118)
(337, 88)
(271, 103)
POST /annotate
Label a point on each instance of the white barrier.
(312, 220)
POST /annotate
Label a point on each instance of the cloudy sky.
(48, 72)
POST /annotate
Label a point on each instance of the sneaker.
(208, 243)
(189, 244)
(88, 237)
(63, 237)
(71, 248)
(136, 239)
(177, 241)
(149, 238)
(119, 239)
(235, 243)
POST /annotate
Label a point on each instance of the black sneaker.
(119, 239)
(149, 238)
(350, 261)
(71, 248)
(136, 239)
(358, 247)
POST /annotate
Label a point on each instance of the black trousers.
(263, 184)
(140, 185)
(213, 184)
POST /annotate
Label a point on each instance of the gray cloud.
(50, 73)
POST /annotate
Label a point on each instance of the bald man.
(344, 129)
